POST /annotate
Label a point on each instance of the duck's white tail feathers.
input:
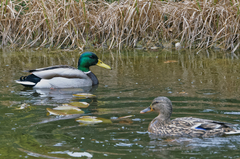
(25, 83)
(233, 132)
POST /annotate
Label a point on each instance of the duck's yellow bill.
(148, 109)
(101, 64)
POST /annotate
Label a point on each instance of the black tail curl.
(31, 78)
(23, 78)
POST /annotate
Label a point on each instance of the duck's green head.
(88, 59)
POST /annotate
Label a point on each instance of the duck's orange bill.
(148, 109)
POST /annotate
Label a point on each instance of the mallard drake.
(63, 76)
(183, 127)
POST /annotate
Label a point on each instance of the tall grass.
(70, 24)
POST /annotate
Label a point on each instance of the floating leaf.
(183, 93)
(23, 106)
(85, 95)
(80, 104)
(125, 121)
(67, 107)
(65, 110)
(124, 117)
(170, 61)
(88, 120)
(55, 112)
(92, 120)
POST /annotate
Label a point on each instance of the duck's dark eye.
(91, 57)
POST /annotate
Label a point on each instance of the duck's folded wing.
(58, 71)
(201, 124)
(212, 125)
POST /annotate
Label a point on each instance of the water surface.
(200, 84)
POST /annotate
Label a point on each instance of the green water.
(204, 85)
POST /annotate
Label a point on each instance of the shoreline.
(72, 25)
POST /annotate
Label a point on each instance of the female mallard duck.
(183, 127)
(63, 76)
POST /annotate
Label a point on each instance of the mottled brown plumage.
(183, 127)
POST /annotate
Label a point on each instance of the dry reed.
(69, 24)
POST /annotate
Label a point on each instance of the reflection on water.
(48, 96)
(203, 85)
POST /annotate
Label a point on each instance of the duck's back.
(189, 127)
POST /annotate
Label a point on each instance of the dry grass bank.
(69, 24)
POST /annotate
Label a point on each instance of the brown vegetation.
(70, 24)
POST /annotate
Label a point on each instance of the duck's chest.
(93, 78)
